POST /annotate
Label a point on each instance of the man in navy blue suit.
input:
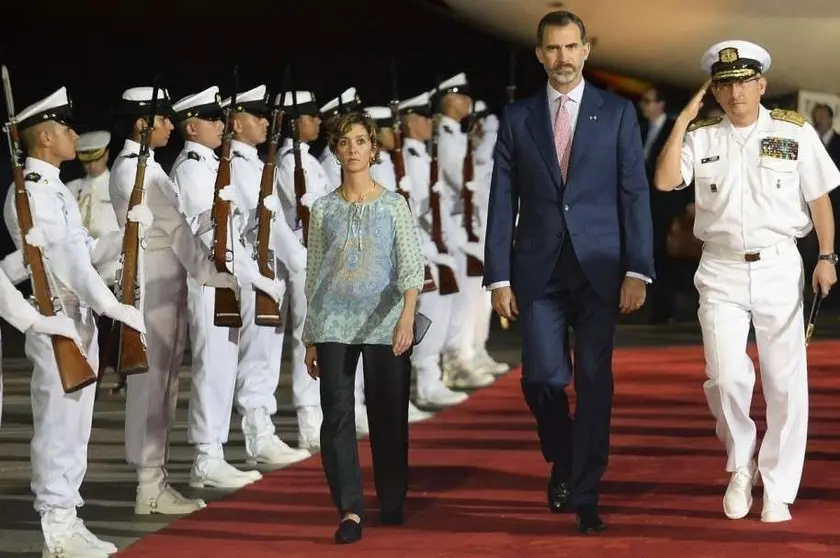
(569, 160)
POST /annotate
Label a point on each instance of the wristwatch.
(832, 258)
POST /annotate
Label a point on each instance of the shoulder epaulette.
(413, 152)
(702, 123)
(193, 155)
(447, 129)
(788, 116)
(32, 177)
(286, 153)
(238, 154)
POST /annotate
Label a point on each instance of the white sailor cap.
(55, 107)
(305, 101)
(137, 100)
(206, 105)
(730, 61)
(456, 84)
(253, 101)
(91, 146)
(383, 116)
(346, 102)
(420, 105)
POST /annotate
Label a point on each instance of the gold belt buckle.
(752, 256)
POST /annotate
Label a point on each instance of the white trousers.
(151, 397)
(460, 337)
(215, 352)
(768, 292)
(426, 355)
(61, 422)
(256, 377)
(481, 310)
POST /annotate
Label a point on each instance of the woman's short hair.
(346, 122)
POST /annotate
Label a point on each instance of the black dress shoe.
(392, 517)
(348, 532)
(588, 520)
(557, 494)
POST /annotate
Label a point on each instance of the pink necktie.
(563, 136)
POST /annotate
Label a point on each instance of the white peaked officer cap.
(92, 145)
(456, 84)
(383, 116)
(206, 104)
(306, 103)
(254, 101)
(731, 61)
(55, 107)
(346, 102)
(137, 100)
(421, 105)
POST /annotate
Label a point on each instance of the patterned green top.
(361, 259)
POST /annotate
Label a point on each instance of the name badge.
(713, 188)
(705, 160)
(780, 148)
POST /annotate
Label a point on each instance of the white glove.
(447, 260)
(269, 287)
(141, 214)
(405, 184)
(224, 281)
(438, 187)
(271, 203)
(128, 315)
(473, 249)
(227, 193)
(57, 325)
(490, 123)
(35, 237)
(307, 199)
(470, 185)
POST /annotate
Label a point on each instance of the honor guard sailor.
(762, 179)
(260, 347)
(383, 171)
(317, 185)
(61, 421)
(348, 101)
(453, 101)
(168, 252)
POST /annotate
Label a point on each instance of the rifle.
(475, 267)
(267, 311)
(399, 166)
(226, 306)
(446, 276)
(300, 177)
(131, 357)
(73, 368)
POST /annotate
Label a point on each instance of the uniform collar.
(247, 151)
(202, 150)
(288, 143)
(46, 170)
(132, 146)
(450, 123)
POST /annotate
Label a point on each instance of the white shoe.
(774, 512)
(362, 427)
(165, 500)
(209, 471)
(438, 396)
(271, 450)
(738, 499)
(75, 541)
(309, 428)
(416, 415)
(486, 363)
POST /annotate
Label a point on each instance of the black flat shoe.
(588, 520)
(393, 516)
(348, 532)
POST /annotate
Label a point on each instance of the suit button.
(566, 208)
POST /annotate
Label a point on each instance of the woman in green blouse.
(364, 273)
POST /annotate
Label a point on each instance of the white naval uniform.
(318, 183)
(261, 347)
(61, 422)
(98, 215)
(749, 199)
(331, 166)
(383, 171)
(431, 391)
(171, 251)
(18, 312)
(459, 353)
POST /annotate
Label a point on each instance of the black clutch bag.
(421, 327)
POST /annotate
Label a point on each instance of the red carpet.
(478, 484)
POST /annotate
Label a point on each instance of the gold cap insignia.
(728, 55)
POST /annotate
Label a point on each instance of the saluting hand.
(692, 109)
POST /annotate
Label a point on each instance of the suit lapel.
(589, 123)
(539, 124)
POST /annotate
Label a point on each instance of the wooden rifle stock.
(475, 267)
(446, 275)
(300, 183)
(73, 368)
(267, 311)
(226, 306)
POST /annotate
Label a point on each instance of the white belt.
(157, 243)
(767, 253)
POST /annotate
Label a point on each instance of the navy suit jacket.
(604, 205)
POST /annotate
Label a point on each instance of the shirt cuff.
(498, 285)
(644, 278)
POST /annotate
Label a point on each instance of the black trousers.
(387, 385)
